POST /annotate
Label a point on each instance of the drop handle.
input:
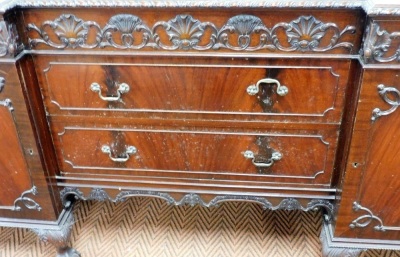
(275, 156)
(122, 89)
(128, 152)
(280, 89)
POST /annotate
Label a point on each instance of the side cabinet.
(368, 206)
(24, 194)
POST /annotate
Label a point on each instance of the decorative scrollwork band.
(365, 220)
(241, 32)
(377, 44)
(26, 201)
(393, 101)
(192, 199)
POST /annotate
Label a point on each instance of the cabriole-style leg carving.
(329, 251)
(60, 237)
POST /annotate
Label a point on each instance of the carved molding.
(193, 199)
(25, 201)
(365, 220)
(391, 96)
(368, 5)
(183, 32)
(328, 251)
(8, 40)
(377, 44)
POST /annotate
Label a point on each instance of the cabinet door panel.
(371, 206)
(13, 169)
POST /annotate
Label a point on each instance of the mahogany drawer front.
(194, 154)
(184, 88)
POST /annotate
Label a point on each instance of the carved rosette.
(377, 44)
(240, 33)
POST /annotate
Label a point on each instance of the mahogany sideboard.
(289, 104)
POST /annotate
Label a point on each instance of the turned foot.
(330, 251)
(60, 236)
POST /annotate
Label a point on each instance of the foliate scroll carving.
(126, 26)
(365, 220)
(8, 40)
(239, 33)
(59, 237)
(391, 96)
(193, 199)
(70, 31)
(377, 44)
(185, 32)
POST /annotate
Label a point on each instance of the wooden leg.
(60, 237)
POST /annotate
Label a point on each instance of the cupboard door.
(371, 206)
(24, 193)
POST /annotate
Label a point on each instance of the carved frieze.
(184, 32)
(378, 43)
(193, 199)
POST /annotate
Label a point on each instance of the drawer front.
(262, 90)
(194, 154)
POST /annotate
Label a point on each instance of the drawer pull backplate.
(129, 150)
(275, 156)
(280, 89)
(122, 89)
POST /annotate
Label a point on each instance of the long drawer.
(276, 157)
(110, 89)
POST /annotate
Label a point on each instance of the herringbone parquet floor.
(146, 227)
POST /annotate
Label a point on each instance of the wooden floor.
(150, 227)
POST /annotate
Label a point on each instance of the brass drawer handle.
(129, 150)
(276, 156)
(122, 89)
(280, 89)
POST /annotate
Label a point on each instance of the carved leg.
(59, 237)
(328, 251)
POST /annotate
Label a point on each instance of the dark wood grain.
(20, 146)
(198, 154)
(214, 87)
(372, 169)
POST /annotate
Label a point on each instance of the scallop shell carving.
(185, 32)
(244, 26)
(126, 25)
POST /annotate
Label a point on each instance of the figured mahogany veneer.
(197, 154)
